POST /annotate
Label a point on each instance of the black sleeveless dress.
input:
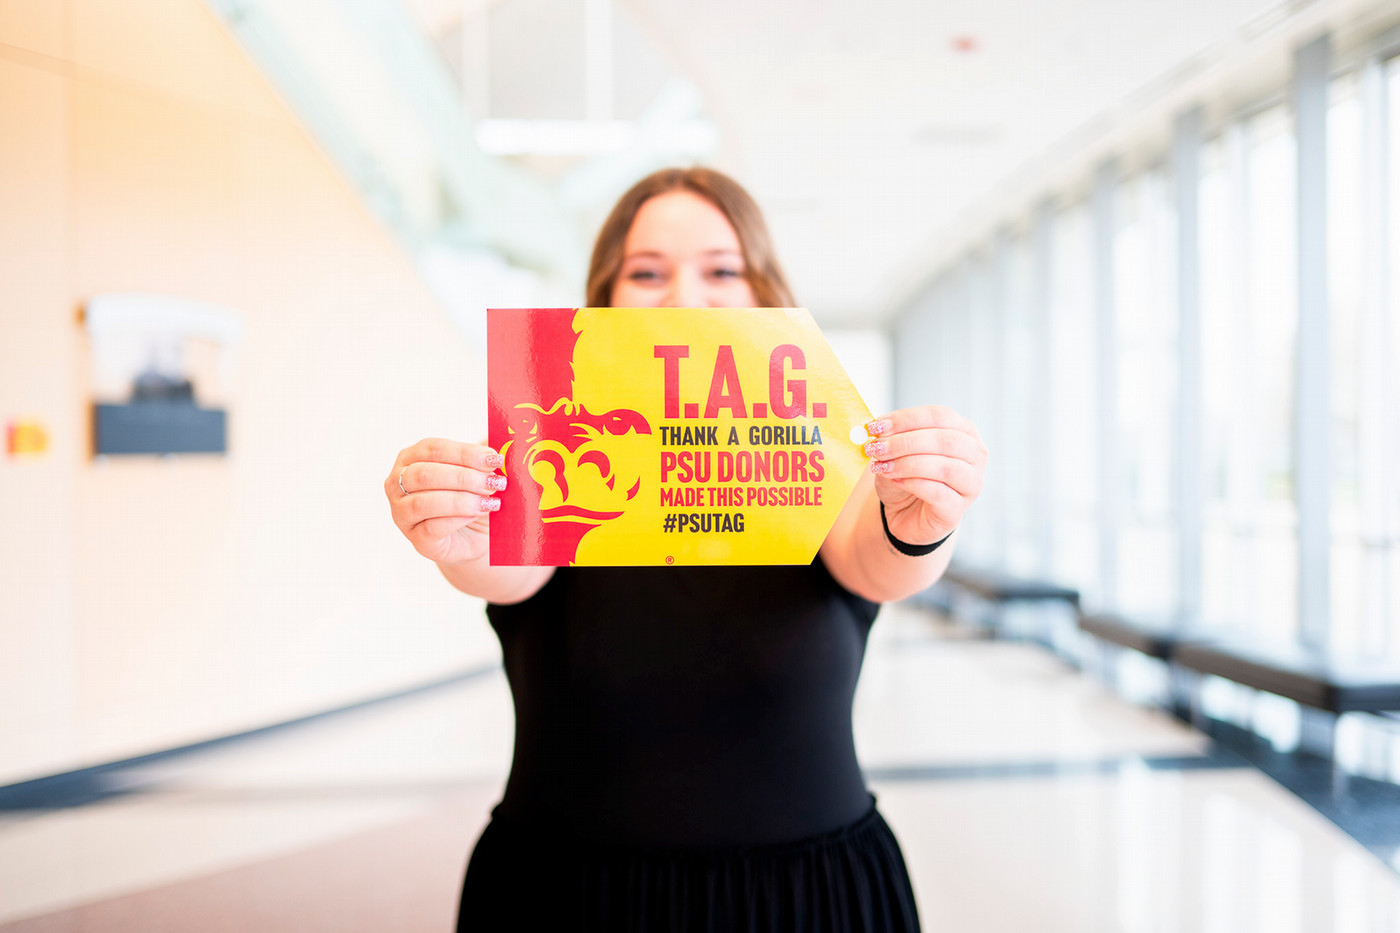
(684, 759)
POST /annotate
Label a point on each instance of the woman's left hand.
(929, 465)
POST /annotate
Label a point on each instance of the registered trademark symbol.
(670, 559)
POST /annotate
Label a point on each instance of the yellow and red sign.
(655, 436)
(26, 437)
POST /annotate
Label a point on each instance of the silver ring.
(401, 473)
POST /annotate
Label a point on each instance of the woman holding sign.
(683, 754)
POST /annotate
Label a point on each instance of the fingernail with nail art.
(490, 503)
(876, 448)
(877, 427)
(494, 461)
(881, 466)
(496, 482)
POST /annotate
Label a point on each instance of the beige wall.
(148, 602)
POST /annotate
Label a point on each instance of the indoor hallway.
(1026, 796)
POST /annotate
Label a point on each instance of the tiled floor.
(1026, 797)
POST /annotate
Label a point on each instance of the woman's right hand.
(440, 493)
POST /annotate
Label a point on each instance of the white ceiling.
(865, 131)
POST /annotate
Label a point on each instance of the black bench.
(997, 590)
(1001, 588)
(1309, 678)
(1156, 638)
(1323, 685)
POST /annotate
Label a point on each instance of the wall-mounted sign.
(651, 436)
(26, 437)
(144, 379)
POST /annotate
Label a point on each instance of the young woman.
(683, 750)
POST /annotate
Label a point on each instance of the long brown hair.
(765, 276)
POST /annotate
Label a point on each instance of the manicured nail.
(495, 461)
(881, 466)
(876, 448)
(495, 482)
(490, 503)
(877, 427)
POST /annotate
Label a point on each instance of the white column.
(1186, 174)
(1042, 436)
(1378, 416)
(1312, 481)
(598, 58)
(476, 58)
(994, 327)
(1109, 500)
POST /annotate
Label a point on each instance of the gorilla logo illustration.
(563, 481)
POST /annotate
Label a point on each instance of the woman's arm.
(502, 585)
(927, 466)
(441, 493)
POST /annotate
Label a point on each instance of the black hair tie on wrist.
(913, 550)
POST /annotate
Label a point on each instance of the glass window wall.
(1022, 462)
(1074, 453)
(1249, 319)
(1015, 343)
(1146, 330)
(1346, 261)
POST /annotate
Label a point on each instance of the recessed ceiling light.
(809, 93)
(956, 134)
(793, 205)
(554, 137)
